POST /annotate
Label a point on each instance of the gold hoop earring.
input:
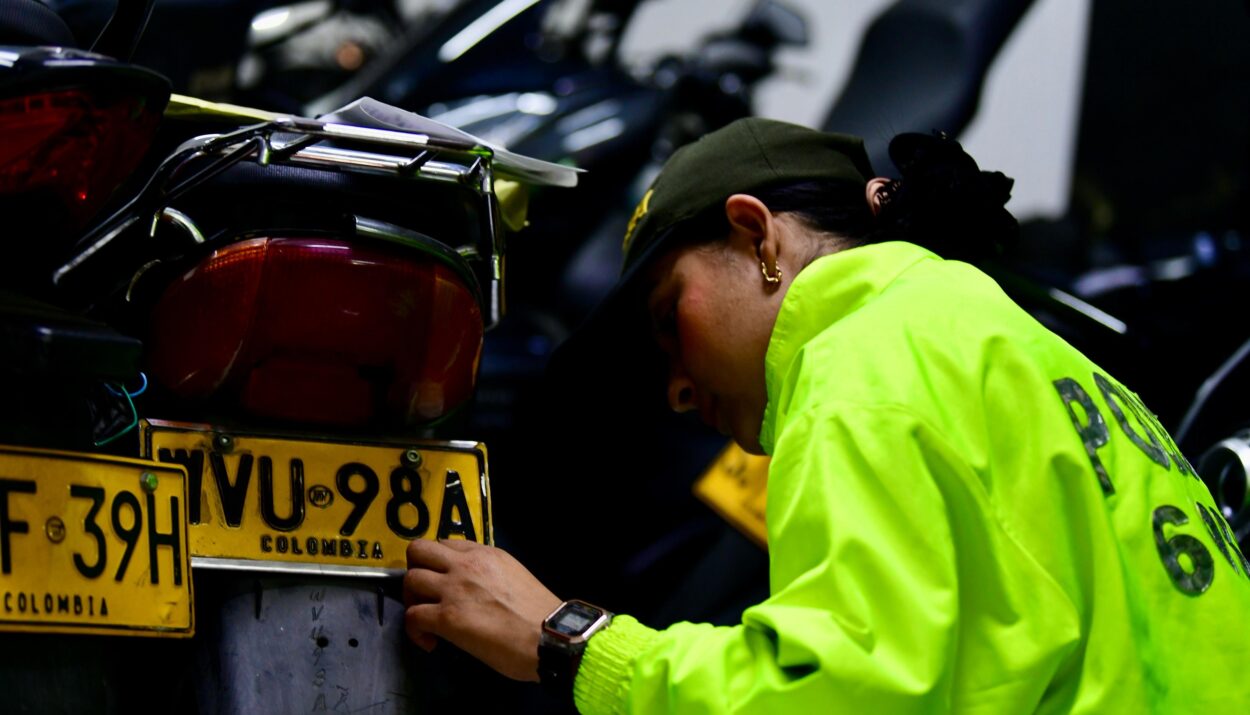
(773, 278)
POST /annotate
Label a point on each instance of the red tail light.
(73, 147)
(320, 330)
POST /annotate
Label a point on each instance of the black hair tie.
(945, 202)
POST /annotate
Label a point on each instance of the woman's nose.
(681, 394)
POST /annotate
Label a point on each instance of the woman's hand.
(481, 599)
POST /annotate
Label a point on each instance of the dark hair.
(943, 202)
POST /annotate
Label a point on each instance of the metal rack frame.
(320, 145)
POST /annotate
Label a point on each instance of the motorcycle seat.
(30, 22)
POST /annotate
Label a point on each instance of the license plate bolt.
(223, 443)
(55, 529)
(148, 482)
(412, 458)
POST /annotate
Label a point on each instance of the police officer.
(964, 513)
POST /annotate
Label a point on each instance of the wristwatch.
(563, 641)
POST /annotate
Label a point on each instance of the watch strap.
(557, 667)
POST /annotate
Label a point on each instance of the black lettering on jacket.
(1093, 430)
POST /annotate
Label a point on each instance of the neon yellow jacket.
(964, 515)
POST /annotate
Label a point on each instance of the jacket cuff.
(602, 682)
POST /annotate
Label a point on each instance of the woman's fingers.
(461, 545)
(422, 586)
(434, 555)
(417, 620)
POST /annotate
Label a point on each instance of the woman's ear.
(874, 193)
(752, 228)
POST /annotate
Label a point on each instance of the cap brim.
(614, 347)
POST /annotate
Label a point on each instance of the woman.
(964, 513)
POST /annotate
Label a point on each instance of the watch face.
(574, 618)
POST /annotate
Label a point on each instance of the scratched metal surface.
(307, 645)
(300, 644)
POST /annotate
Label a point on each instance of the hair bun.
(945, 202)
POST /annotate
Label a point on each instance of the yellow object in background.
(514, 202)
(736, 487)
(181, 106)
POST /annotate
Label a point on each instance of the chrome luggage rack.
(94, 273)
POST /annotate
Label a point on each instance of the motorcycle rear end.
(73, 127)
(311, 298)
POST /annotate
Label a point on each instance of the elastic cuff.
(602, 683)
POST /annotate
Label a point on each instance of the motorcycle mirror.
(773, 23)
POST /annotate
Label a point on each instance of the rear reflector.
(62, 153)
(320, 330)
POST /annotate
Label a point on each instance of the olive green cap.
(748, 155)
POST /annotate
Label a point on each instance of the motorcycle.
(311, 297)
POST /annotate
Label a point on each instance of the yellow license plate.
(93, 544)
(273, 503)
(735, 485)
